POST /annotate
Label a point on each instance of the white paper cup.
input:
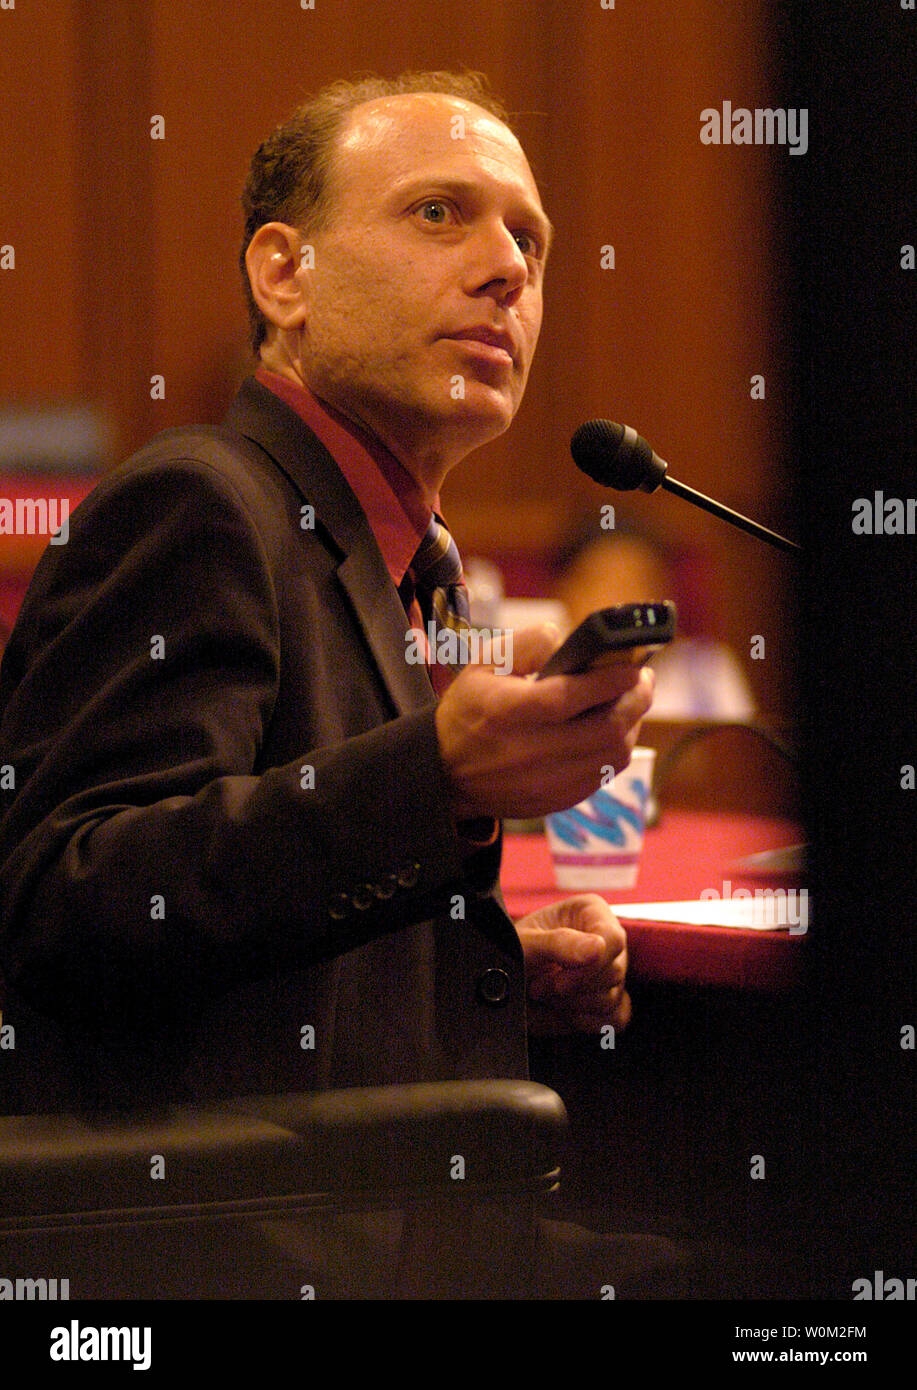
(597, 843)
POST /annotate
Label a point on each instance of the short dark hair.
(288, 178)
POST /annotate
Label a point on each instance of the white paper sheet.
(770, 910)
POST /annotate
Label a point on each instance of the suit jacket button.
(493, 986)
(338, 906)
(386, 886)
(408, 875)
(363, 897)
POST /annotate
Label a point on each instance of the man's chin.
(483, 411)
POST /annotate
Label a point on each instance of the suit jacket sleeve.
(146, 865)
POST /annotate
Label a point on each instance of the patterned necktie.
(437, 570)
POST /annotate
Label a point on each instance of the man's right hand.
(518, 747)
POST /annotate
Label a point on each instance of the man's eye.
(527, 244)
(434, 210)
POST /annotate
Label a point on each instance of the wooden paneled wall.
(126, 246)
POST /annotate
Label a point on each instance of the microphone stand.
(725, 514)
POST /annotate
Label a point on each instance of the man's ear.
(277, 275)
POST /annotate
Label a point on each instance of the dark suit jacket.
(179, 901)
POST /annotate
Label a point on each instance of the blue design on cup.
(604, 818)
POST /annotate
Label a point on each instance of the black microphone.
(616, 456)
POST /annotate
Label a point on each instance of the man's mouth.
(488, 343)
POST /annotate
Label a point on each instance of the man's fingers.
(587, 912)
(564, 947)
(532, 646)
(568, 985)
(574, 967)
(563, 1020)
(560, 698)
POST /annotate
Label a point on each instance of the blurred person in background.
(697, 677)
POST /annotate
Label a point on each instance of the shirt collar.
(396, 509)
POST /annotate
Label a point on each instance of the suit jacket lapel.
(271, 424)
(378, 607)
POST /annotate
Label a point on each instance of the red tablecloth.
(686, 853)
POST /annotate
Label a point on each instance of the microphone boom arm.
(717, 509)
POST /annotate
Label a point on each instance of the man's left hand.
(576, 963)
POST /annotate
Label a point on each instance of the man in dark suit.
(248, 849)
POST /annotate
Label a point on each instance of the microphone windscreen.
(615, 456)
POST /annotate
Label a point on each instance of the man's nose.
(496, 263)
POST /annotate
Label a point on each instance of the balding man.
(254, 842)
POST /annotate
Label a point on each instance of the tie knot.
(437, 564)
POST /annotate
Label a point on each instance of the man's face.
(428, 238)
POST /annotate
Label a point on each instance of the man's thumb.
(532, 646)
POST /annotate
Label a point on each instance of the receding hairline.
(349, 118)
(439, 98)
